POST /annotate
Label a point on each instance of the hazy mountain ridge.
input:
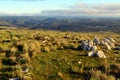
(63, 23)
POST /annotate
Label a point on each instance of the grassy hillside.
(54, 55)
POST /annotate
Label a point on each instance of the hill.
(63, 23)
(54, 55)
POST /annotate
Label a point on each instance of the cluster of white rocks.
(91, 46)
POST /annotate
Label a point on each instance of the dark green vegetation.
(63, 23)
(52, 55)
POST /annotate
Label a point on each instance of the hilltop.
(54, 55)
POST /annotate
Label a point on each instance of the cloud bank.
(80, 9)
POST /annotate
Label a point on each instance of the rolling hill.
(63, 23)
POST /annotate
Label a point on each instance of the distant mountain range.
(63, 23)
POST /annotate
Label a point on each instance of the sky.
(108, 8)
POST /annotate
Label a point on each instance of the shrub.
(9, 61)
(8, 53)
(8, 69)
(22, 60)
(98, 75)
(20, 47)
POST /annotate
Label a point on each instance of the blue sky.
(60, 7)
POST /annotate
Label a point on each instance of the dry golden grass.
(54, 55)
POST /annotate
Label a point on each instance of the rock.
(25, 69)
(100, 54)
(102, 42)
(79, 62)
(111, 39)
(91, 53)
(96, 40)
(87, 45)
(112, 45)
(84, 45)
(13, 79)
(108, 46)
(47, 38)
(94, 48)
(45, 41)
(90, 43)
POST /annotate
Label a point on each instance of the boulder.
(100, 54)
(108, 46)
(94, 48)
(111, 39)
(112, 45)
(96, 40)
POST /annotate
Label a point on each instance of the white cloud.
(80, 9)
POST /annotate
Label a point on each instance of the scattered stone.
(87, 45)
(96, 40)
(107, 46)
(100, 54)
(94, 48)
(47, 38)
(13, 79)
(111, 39)
(91, 53)
(102, 42)
(25, 69)
(112, 45)
(45, 41)
(79, 62)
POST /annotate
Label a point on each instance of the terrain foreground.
(53, 55)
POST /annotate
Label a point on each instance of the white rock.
(112, 45)
(86, 48)
(107, 40)
(25, 70)
(94, 48)
(102, 42)
(100, 54)
(47, 38)
(108, 46)
(84, 45)
(79, 62)
(90, 43)
(13, 79)
(45, 41)
(111, 39)
(91, 53)
(96, 40)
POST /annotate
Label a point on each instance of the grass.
(54, 55)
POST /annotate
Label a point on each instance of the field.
(54, 55)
